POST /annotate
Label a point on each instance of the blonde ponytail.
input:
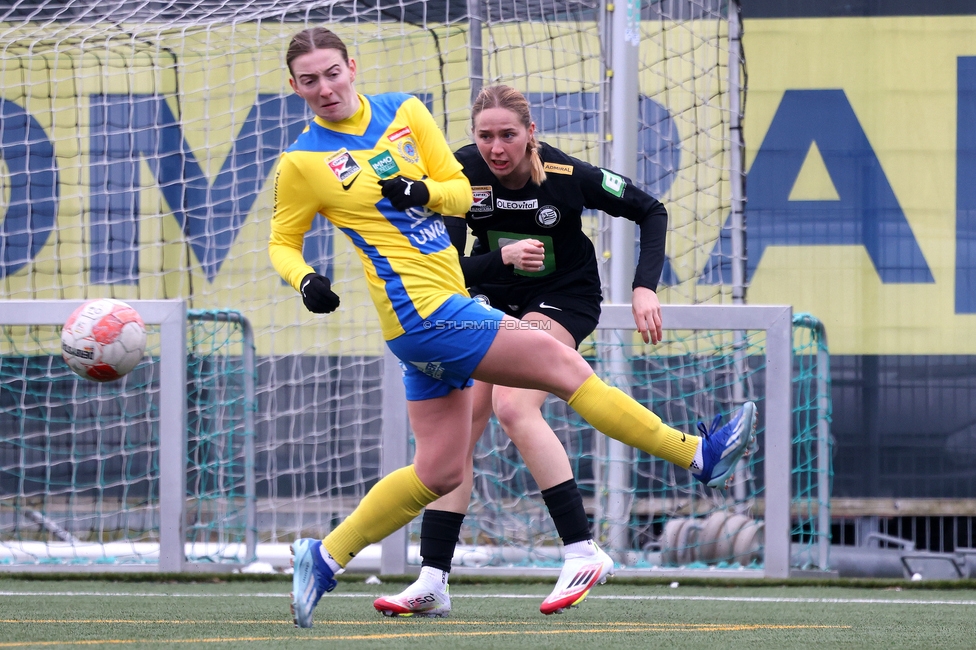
(538, 171)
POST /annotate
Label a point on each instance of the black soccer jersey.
(552, 213)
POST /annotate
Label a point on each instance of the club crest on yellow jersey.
(408, 150)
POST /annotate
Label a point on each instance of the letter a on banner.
(865, 212)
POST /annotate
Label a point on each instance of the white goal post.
(775, 323)
(735, 353)
(170, 316)
(164, 542)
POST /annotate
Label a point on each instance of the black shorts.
(578, 314)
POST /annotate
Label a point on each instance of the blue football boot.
(311, 579)
(723, 447)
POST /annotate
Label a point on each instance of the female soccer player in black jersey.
(378, 168)
(532, 260)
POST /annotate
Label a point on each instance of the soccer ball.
(103, 339)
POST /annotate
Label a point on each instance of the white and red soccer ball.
(103, 339)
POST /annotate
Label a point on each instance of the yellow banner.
(854, 212)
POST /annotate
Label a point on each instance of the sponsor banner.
(861, 153)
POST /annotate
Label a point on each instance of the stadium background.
(873, 229)
(893, 90)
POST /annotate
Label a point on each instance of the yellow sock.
(390, 505)
(619, 416)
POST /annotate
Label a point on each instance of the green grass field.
(216, 614)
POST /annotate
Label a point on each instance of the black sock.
(565, 505)
(439, 532)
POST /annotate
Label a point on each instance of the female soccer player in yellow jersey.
(380, 170)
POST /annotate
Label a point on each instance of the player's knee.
(568, 369)
(441, 477)
(446, 484)
(509, 409)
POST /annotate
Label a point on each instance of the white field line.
(732, 599)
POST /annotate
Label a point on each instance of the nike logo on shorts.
(543, 305)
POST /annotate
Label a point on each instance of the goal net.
(137, 143)
(158, 463)
(648, 514)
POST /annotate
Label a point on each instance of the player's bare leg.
(519, 411)
(429, 595)
(392, 503)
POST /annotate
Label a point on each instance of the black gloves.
(318, 295)
(405, 193)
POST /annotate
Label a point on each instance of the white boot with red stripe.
(585, 565)
(428, 596)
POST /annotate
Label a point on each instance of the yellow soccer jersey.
(334, 168)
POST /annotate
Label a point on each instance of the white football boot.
(579, 574)
(428, 596)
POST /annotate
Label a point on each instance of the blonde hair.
(506, 97)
